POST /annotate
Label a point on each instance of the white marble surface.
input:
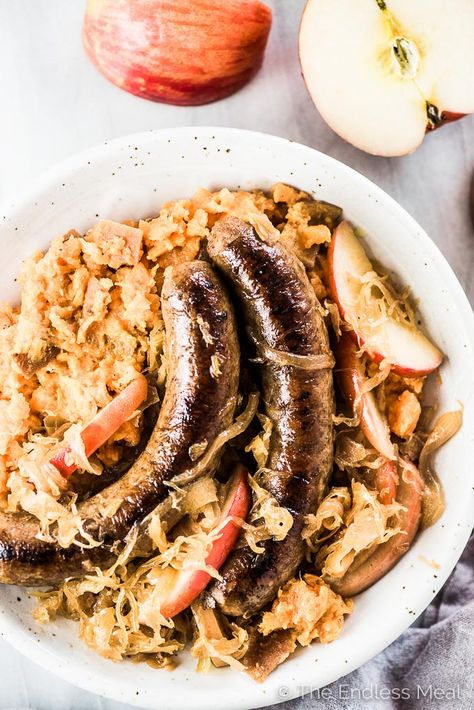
(55, 104)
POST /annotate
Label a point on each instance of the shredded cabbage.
(37, 486)
(444, 428)
(76, 454)
(118, 609)
(377, 302)
(260, 443)
(351, 453)
(365, 523)
(213, 646)
(329, 517)
(267, 519)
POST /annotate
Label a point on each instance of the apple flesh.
(182, 52)
(177, 589)
(105, 423)
(404, 346)
(384, 72)
(363, 573)
(350, 375)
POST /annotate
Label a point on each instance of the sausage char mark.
(283, 319)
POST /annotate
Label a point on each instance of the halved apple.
(177, 589)
(350, 374)
(400, 343)
(384, 72)
(182, 52)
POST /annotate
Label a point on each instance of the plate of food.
(236, 420)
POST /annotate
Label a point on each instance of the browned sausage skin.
(281, 311)
(199, 403)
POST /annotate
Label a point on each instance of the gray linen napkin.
(430, 666)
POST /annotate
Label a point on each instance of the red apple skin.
(396, 369)
(181, 52)
(106, 422)
(190, 584)
(386, 481)
(375, 357)
(350, 377)
(361, 576)
(446, 117)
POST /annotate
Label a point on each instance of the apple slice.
(105, 423)
(350, 374)
(363, 573)
(386, 481)
(404, 346)
(177, 589)
(384, 72)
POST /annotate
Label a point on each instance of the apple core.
(406, 57)
(384, 73)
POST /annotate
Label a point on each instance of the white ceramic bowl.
(132, 177)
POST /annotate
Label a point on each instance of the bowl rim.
(23, 641)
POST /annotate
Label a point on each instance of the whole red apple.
(182, 52)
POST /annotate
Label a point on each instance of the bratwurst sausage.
(203, 370)
(297, 387)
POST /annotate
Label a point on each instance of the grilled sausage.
(281, 312)
(203, 369)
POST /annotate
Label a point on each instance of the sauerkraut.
(356, 519)
(310, 608)
(88, 321)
